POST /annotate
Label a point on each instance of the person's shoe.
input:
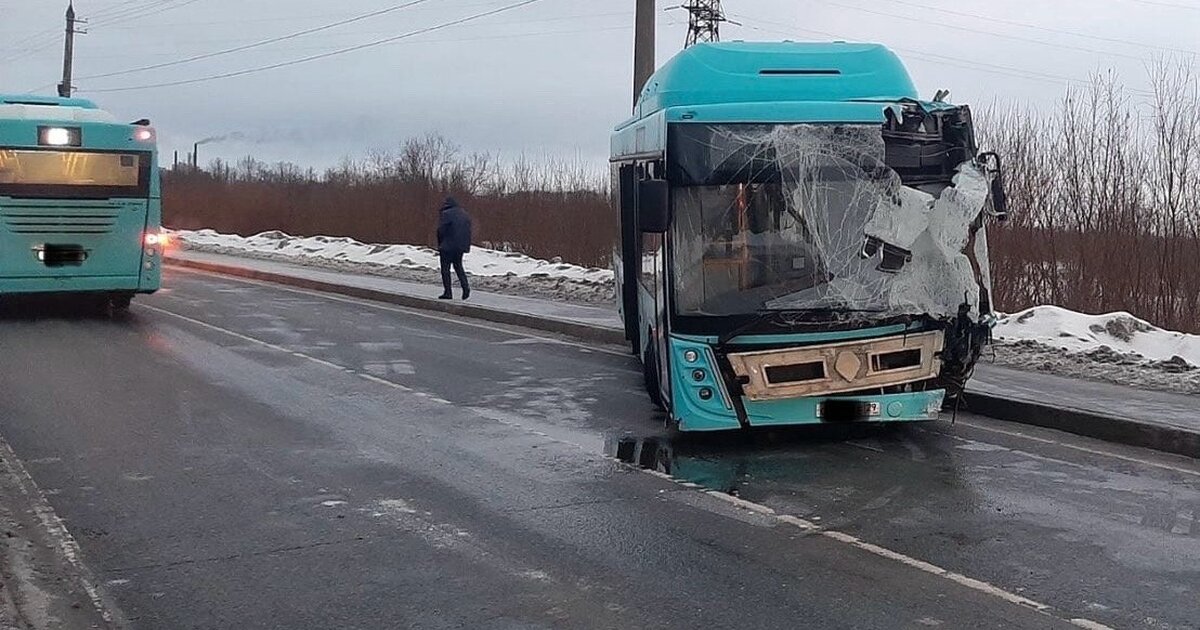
(445, 296)
(466, 293)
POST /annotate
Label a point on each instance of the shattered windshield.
(810, 218)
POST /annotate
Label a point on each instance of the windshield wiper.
(729, 335)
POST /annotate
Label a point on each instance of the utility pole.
(704, 21)
(643, 46)
(65, 88)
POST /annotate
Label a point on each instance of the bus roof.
(776, 72)
(53, 101)
(28, 107)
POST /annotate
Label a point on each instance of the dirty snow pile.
(493, 269)
(1116, 347)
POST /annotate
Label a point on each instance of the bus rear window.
(74, 174)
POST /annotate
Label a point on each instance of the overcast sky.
(548, 78)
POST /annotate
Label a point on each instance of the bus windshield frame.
(59, 185)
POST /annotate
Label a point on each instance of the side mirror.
(654, 205)
(991, 165)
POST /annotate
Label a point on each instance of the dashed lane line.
(380, 306)
(597, 348)
(803, 524)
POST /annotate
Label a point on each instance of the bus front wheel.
(650, 376)
(119, 302)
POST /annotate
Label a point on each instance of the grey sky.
(552, 77)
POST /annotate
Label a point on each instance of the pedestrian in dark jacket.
(454, 240)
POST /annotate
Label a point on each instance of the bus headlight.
(691, 356)
(59, 136)
(145, 134)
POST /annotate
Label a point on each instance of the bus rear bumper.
(76, 284)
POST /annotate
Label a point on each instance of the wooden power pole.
(65, 88)
(643, 46)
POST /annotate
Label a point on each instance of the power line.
(119, 7)
(340, 51)
(137, 14)
(1047, 29)
(1172, 5)
(126, 16)
(900, 16)
(1020, 73)
(506, 36)
(257, 44)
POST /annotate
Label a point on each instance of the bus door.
(72, 212)
(630, 254)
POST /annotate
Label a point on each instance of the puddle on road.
(729, 462)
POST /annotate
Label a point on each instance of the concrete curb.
(1109, 428)
(1159, 437)
(584, 332)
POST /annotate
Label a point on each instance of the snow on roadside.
(480, 262)
(1115, 334)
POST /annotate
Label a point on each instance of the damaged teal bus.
(803, 240)
(80, 210)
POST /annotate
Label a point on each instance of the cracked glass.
(810, 219)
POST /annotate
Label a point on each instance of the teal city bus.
(80, 211)
(803, 239)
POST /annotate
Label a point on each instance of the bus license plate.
(847, 410)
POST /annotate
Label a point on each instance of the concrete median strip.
(1104, 426)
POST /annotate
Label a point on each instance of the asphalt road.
(236, 455)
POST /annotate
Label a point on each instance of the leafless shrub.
(550, 208)
(1105, 200)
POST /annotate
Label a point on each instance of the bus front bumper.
(700, 401)
(808, 410)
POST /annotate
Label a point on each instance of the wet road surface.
(237, 455)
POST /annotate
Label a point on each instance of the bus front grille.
(42, 220)
(833, 368)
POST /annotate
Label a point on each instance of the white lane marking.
(1083, 449)
(586, 347)
(883, 552)
(803, 524)
(410, 311)
(1089, 624)
(340, 368)
(55, 528)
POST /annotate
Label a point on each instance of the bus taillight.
(144, 134)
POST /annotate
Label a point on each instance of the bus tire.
(650, 376)
(119, 303)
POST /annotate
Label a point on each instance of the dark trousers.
(453, 259)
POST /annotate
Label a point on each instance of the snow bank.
(1099, 335)
(480, 262)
